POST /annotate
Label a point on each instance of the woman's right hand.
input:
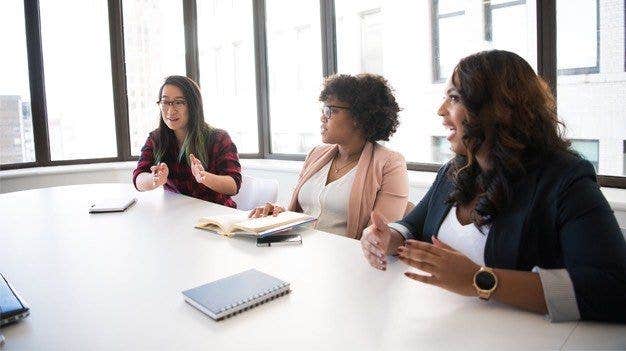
(264, 211)
(375, 241)
(159, 174)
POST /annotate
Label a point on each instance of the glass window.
(227, 71)
(588, 149)
(16, 124)
(451, 30)
(154, 45)
(578, 34)
(592, 104)
(79, 89)
(294, 53)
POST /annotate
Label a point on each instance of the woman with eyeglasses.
(516, 216)
(186, 155)
(350, 175)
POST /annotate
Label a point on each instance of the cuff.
(404, 231)
(558, 291)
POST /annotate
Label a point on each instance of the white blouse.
(466, 239)
(327, 202)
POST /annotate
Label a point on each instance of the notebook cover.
(231, 294)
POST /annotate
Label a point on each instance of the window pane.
(591, 104)
(77, 66)
(227, 76)
(16, 139)
(588, 149)
(577, 28)
(418, 75)
(295, 74)
(154, 42)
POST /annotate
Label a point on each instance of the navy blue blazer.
(558, 219)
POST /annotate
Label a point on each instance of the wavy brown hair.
(372, 103)
(513, 112)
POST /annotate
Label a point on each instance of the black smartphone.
(277, 240)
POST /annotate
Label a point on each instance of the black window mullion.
(118, 72)
(546, 42)
(261, 75)
(329, 37)
(37, 82)
(190, 18)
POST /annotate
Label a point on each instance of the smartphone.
(278, 240)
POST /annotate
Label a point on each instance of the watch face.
(485, 280)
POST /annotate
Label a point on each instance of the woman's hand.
(159, 174)
(375, 241)
(197, 169)
(264, 211)
(448, 268)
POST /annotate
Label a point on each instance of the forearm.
(520, 289)
(144, 181)
(222, 184)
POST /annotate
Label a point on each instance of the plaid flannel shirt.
(223, 160)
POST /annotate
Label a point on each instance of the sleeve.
(227, 158)
(414, 221)
(559, 294)
(593, 248)
(146, 160)
(393, 194)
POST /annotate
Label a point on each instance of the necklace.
(350, 162)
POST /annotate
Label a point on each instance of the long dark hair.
(511, 109)
(198, 131)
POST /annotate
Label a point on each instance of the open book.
(240, 224)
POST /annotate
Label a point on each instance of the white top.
(327, 202)
(113, 281)
(466, 239)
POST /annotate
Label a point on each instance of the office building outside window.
(591, 84)
(154, 44)
(227, 76)
(77, 66)
(294, 56)
(16, 126)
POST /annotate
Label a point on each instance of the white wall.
(286, 172)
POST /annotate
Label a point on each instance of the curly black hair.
(371, 100)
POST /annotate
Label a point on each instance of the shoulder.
(318, 151)
(561, 170)
(384, 154)
(219, 134)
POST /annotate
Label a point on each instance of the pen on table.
(2, 339)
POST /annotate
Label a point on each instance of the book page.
(222, 224)
(256, 225)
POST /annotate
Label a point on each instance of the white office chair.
(255, 192)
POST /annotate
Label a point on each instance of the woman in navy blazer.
(551, 243)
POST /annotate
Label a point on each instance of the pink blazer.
(381, 183)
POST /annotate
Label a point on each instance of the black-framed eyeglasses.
(328, 110)
(176, 104)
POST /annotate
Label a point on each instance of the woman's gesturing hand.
(197, 169)
(159, 174)
(375, 241)
(447, 268)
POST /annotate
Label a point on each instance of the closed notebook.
(227, 296)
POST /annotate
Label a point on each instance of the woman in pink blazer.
(350, 175)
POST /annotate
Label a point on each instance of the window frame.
(546, 67)
(435, 18)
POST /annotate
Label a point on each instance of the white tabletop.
(114, 281)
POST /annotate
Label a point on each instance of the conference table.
(113, 281)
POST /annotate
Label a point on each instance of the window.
(154, 43)
(592, 105)
(458, 30)
(16, 139)
(588, 149)
(227, 76)
(77, 66)
(578, 28)
(442, 151)
(294, 56)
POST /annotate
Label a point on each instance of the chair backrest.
(255, 192)
(409, 208)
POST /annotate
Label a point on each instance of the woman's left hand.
(448, 268)
(197, 169)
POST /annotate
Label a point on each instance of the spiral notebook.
(228, 296)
